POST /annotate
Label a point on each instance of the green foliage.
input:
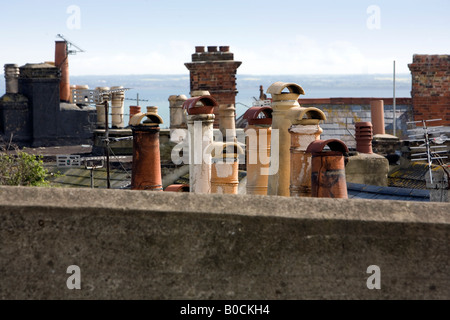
(22, 169)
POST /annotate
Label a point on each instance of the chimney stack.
(214, 69)
(62, 63)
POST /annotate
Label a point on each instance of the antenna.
(430, 152)
(137, 99)
(70, 44)
(394, 106)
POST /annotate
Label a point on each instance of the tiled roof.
(362, 191)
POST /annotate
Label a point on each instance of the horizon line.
(244, 74)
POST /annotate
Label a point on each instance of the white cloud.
(163, 59)
(302, 55)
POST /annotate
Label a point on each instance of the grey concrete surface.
(144, 245)
(364, 168)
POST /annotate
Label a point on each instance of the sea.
(155, 90)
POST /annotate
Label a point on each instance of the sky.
(269, 37)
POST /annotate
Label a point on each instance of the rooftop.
(363, 191)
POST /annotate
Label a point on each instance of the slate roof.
(185, 178)
(81, 178)
(412, 176)
(363, 191)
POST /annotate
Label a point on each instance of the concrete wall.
(143, 245)
(364, 168)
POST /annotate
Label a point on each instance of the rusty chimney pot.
(146, 168)
(62, 62)
(328, 169)
(134, 110)
(377, 113)
(224, 48)
(212, 49)
(200, 105)
(304, 130)
(363, 136)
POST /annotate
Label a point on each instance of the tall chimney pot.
(12, 78)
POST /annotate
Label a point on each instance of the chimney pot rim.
(334, 144)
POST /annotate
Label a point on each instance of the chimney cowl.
(200, 105)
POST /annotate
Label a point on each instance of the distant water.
(158, 88)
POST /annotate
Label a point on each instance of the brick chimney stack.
(214, 70)
(431, 87)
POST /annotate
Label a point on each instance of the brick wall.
(431, 87)
(214, 70)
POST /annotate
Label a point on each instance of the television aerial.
(137, 99)
(70, 44)
(427, 152)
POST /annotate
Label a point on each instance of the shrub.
(22, 169)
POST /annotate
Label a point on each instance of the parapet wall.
(164, 245)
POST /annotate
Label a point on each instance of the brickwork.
(214, 71)
(431, 87)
